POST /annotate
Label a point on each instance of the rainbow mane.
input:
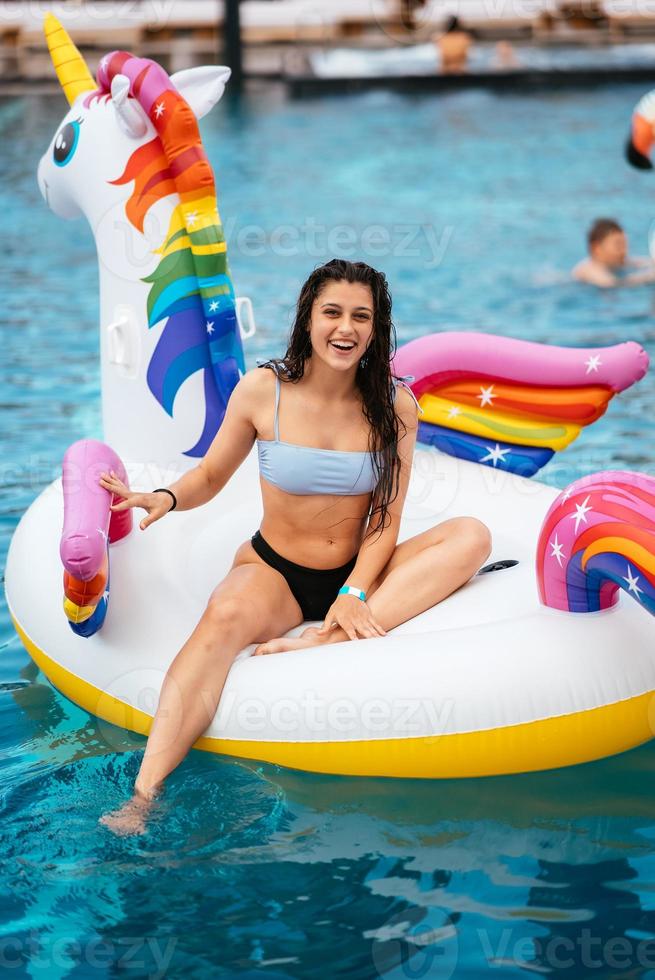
(511, 403)
(191, 287)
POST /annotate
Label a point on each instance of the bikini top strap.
(276, 424)
(402, 380)
(276, 427)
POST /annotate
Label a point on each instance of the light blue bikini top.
(305, 470)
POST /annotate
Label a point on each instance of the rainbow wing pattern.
(509, 403)
(599, 536)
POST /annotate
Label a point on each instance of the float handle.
(116, 341)
(244, 306)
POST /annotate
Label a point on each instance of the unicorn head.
(128, 156)
(642, 134)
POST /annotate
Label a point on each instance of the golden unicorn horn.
(72, 72)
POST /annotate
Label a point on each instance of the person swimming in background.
(333, 492)
(608, 261)
(453, 46)
(505, 56)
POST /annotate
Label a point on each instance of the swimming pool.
(475, 205)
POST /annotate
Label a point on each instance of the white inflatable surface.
(489, 658)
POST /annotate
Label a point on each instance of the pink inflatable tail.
(88, 522)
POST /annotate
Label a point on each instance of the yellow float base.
(546, 744)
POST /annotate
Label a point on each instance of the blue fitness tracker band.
(351, 590)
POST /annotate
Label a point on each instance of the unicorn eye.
(66, 142)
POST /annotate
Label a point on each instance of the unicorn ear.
(129, 113)
(202, 87)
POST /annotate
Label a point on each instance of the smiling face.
(341, 324)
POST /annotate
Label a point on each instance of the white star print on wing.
(486, 396)
(210, 326)
(593, 363)
(632, 580)
(580, 513)
(102, 533)
(192, 217)
(213, 306)
(557, 550)
(495, 454)
(453, 411)
(159, 110)
(565, 496)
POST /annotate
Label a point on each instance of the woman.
(335, 437)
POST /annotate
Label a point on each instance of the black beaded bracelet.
(166, 490)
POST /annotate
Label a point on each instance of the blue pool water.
(257, 871)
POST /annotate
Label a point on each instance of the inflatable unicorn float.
(545, 658)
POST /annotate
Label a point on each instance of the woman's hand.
(157, 504)
(353, 616)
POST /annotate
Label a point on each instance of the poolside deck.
(280, 36)
(524, 79)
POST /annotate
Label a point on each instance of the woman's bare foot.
(308, 638)
(130, 818)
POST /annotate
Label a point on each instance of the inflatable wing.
(601, 536)
(511, 403)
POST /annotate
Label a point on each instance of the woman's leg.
(420, 573)
(252, 603)
(427, 568)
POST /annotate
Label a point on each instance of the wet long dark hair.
(373, 378)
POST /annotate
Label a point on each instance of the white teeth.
(342, 346)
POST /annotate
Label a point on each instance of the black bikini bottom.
(314, 589)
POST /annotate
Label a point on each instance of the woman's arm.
(229, 448)
(379, 547)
